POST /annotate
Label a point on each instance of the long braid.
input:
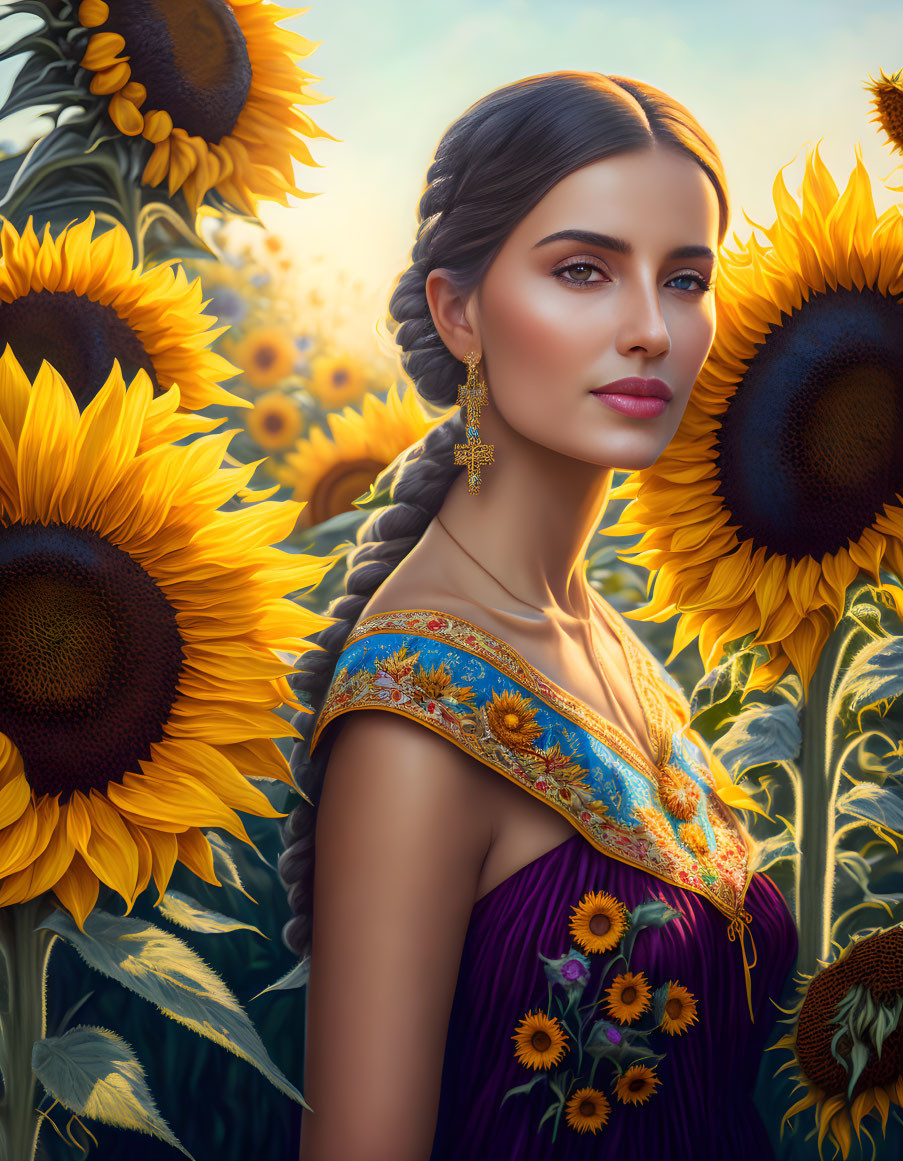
(422, 480)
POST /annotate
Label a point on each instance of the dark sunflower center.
(628, 995)
(265, 356)
(811, 444)
(587, 1108)
(637, 1084)
(875, 963)
(600, 925)
(91, 657)
(78, 336)
(343, 483)
(541, 1041)
(674, 1008)
(274, 422)
(192, 58)
(339, 378)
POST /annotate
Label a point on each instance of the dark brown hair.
(492, 166)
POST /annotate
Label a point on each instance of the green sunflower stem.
(24, 956)
(816, 808)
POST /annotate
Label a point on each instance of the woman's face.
(607, 278)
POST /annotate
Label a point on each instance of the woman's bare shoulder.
(399, 849)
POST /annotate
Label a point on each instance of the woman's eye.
(579, 273)
(701, 284)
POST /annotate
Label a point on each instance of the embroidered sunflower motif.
(540, 1041)
(636, 1085)
(678, 792)
(692, 834)
(628, 997)
(559, 765)
(599, 921)
(512, 720)
(680, 1010)
(432, 682)
(400, 664)
(587, 1110)
(658, 827)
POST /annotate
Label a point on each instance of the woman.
(475, 878)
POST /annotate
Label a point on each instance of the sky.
(765, 79)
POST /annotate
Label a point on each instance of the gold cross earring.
(473, 454)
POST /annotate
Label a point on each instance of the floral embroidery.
(480, 694)
(567, 1043)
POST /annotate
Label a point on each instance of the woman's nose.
(643, 325)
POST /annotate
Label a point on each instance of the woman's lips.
(639, 398)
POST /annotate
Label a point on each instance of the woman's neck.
(530, 524)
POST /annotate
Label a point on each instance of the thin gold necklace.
(486, 570)
(655, 726)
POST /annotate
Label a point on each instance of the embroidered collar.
(475, 690)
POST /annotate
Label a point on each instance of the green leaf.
(879, 804)
(875, 674)
(759, 736)
(379, 494)
(187, 912)
(524, 1087)
(295, 977)
(223, 864)
(94, 1073)
(655, 913)
(156, 965)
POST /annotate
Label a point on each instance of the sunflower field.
(183, 468)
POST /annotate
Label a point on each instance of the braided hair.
(491, 167)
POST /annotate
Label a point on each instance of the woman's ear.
(454, 314)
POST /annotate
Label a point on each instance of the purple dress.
(703, 1109)
(652, 831)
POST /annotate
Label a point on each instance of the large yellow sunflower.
(213, 85)
(782, 481)
(329, 473)
(139, 630)
(79, 302)
(847, 1038)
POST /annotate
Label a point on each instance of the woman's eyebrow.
(607, 242)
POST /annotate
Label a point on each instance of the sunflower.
(680, 1010)
(847, 1038)
(139, 630)
(636, 1085)
(266, 355)
(79, 302)
(628, 997)
(693, 836)
(540, 1041)
(678, 792)
(782, 481)
(274, 422)
(887, 98)
(329, 473)
(511, 719)
(599, 921)
(436, 683)
(337, 379)
(213, 86)
(587, 1110)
